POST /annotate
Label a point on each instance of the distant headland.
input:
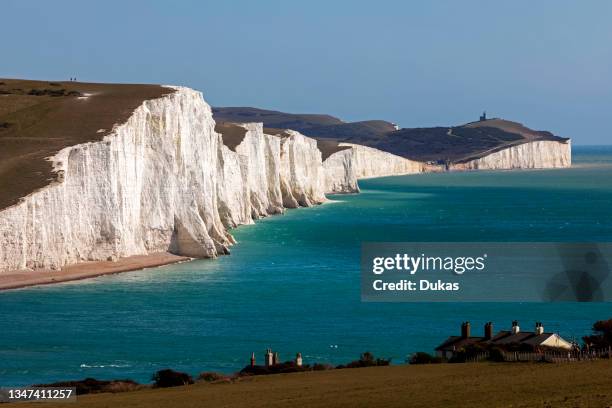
(453, 146)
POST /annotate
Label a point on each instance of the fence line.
(544, 356)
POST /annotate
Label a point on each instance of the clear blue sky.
(419, 63)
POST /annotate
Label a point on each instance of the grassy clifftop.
(460, 143)
(39, 118)
(273, 119)
(453, 144)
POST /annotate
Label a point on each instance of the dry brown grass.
(329, 147)
(276, 132)
(585, 384)
(231, 134)
(39, 126)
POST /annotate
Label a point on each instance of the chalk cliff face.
(345, 167)
(302, 172)
(531, 155)
(162, 181)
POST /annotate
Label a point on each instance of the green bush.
(424, 358)
(367, 359)
(210, 376)
(170, 378)
(602, 335)
(321, 367)
(286, 367)
(93, 386)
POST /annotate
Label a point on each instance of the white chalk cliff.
(164, 181)
(344, 168)
(541, 154)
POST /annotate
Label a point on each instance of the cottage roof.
(458, 342)
(503, 337)
(531, 338)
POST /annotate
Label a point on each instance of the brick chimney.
(268, 358)
(539, 329)
(298, 359)
(465, 330)
(515, 327)
(488, 331)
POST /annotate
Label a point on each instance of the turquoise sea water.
(292, 282)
